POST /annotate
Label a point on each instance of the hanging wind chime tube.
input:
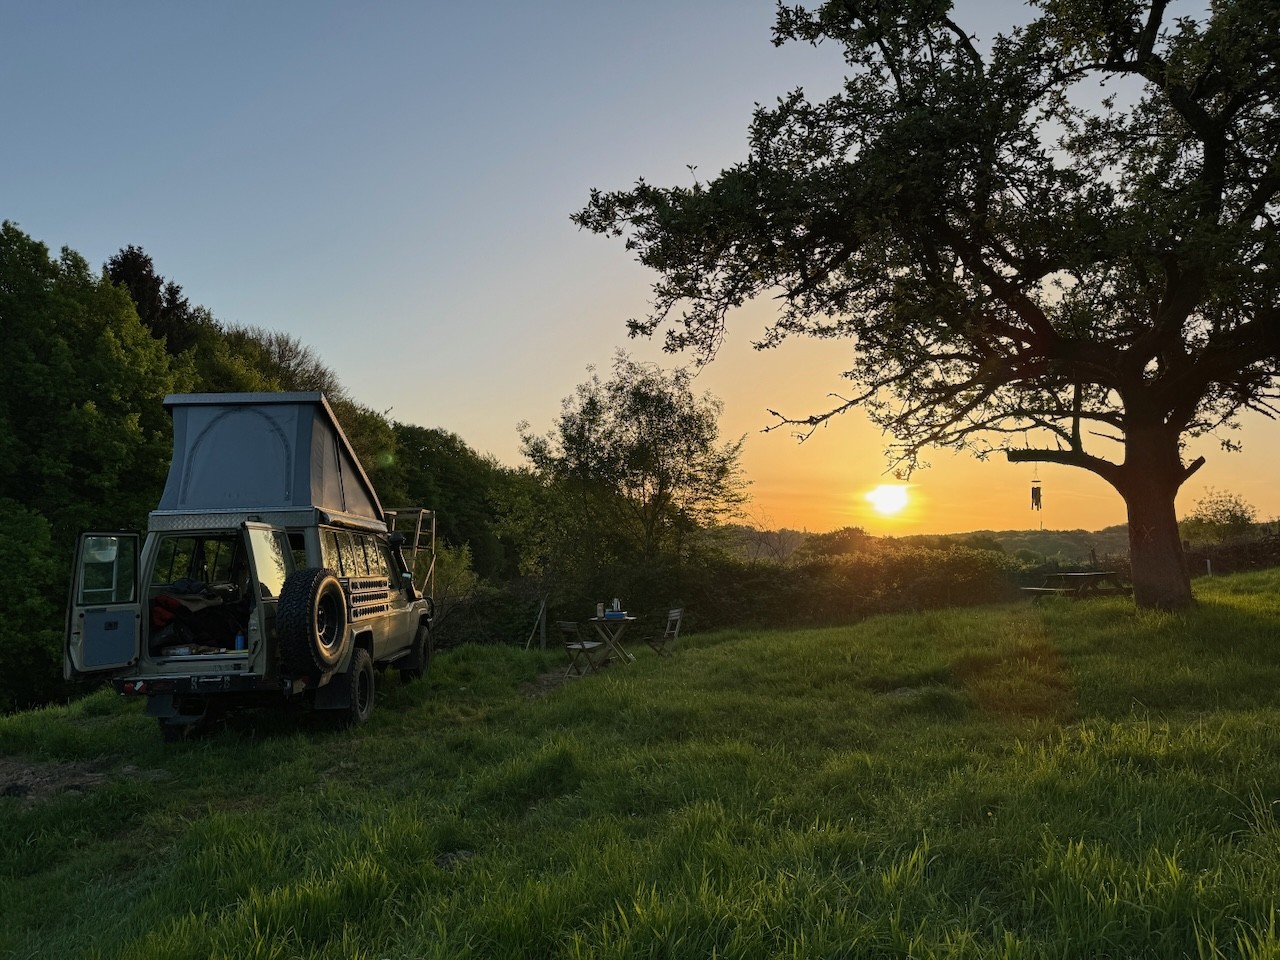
(1035, 492)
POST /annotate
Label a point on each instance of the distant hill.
(1039, 545)
(1047, 544)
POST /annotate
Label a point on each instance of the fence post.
(539, 627)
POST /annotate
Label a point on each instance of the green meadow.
(1051, 780)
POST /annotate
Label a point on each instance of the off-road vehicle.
(269, 571)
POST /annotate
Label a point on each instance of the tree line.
(631, 492)
(630, 476)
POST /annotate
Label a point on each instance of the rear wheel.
(312, 621)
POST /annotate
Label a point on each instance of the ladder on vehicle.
(417, 527)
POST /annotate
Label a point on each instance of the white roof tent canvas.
(264, 453)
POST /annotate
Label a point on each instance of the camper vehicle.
(269, 571)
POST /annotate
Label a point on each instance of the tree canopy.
(161, 305)
(437, 468)
(636, 467)
(1060, 244)
(84, 438)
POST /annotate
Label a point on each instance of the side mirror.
(406, 584)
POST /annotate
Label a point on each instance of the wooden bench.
(1077, 586)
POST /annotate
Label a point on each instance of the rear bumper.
(203, 685)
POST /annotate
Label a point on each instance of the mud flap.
(161, 706)
(334, 695)
(168, 710)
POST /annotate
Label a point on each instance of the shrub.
(819, 590)
(1218, 517)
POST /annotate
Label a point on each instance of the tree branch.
(1107, 470)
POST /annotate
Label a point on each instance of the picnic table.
(1079, 586)
(610, 630)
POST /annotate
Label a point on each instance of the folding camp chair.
(669, 636)
(581, 651)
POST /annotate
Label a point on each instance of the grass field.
(1057, 780)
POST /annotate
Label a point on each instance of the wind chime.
(1036, 502)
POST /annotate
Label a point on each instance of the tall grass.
(1058, 780)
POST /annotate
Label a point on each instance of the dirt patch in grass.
(544, 684)
(33, 782)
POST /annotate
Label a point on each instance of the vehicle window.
(173, 560)
(271, 560)
(386, 565)
(339, 554)
(219, 560)
(329, 551)
(372, 563)
(298, 549)
(203, 559)
(358, 567)
(107, 570)
(354, 554)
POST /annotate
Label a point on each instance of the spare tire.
(311, 621)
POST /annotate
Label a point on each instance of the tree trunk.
(1150, 478)
(1159, 569)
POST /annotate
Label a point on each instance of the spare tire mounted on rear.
(312, 621)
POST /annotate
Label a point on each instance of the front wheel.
(418, 662)
(361, 679)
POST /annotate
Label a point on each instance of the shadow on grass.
(1220, 654)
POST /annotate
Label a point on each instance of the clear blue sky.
(392, 183)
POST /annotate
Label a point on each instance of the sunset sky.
(392, 183)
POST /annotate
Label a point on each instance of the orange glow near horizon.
(819, 485)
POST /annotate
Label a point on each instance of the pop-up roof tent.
(263, 453)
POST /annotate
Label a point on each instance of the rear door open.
(270, 563)
(104, 613)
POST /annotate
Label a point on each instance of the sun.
(888, 498)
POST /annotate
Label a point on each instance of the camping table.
(1092, 583)
(610, 630)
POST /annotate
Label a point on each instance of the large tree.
(162, 307)
(215, 359)
(637, 464)
(1060, 244)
